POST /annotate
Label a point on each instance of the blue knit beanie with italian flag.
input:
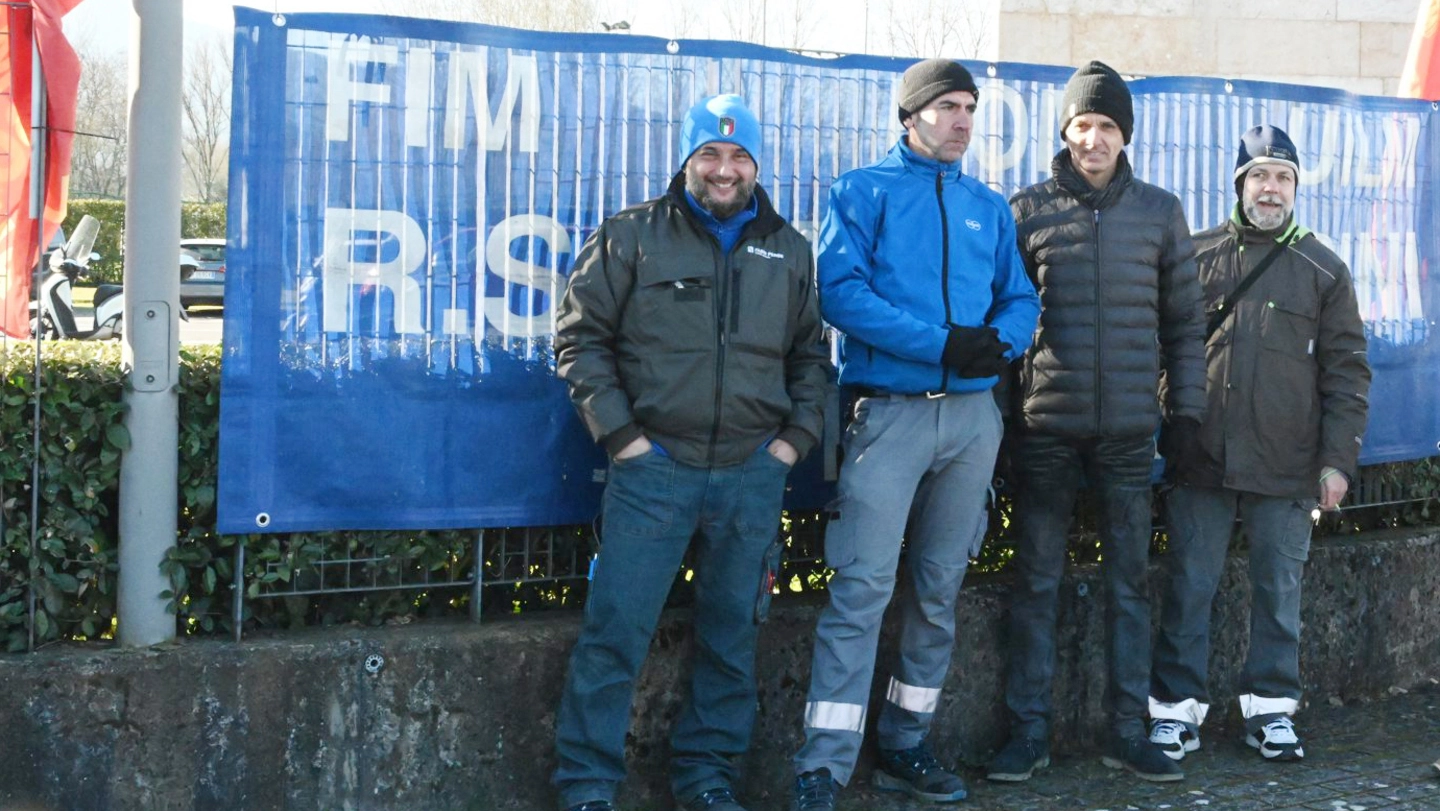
(720, 118)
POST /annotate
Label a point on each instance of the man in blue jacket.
(918, 267)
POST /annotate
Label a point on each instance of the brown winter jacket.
(1288, 379)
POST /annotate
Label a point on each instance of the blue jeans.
(653, 507)
(1202, 522)
(1051, 470)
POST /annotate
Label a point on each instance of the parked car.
(207, 284)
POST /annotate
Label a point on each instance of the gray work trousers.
(919, 469)
(1201, 522)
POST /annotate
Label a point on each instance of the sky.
(105, 24)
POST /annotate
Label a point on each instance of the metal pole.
(477, 589)
(237, 600)
(38, 154)
(150, 469)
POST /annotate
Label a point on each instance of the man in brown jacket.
(1286, 405)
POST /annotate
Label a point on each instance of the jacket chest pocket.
(670, 301)
(1289, 327)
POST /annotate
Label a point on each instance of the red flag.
(38, 22)
(1421, 77)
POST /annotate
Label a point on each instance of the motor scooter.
(52, 314)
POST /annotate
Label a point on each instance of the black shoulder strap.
(1227, 305)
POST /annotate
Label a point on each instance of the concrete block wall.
(1355, 45)
(459, 716)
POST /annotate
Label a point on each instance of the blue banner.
(407, 196)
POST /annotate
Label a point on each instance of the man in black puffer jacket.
(1120, 345)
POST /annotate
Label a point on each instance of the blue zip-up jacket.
(909, 248)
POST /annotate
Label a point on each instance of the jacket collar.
(1071, 181)
(916, 162)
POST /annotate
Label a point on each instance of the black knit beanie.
(1097, 88)
(926, 81)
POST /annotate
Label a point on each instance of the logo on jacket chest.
(762, 253)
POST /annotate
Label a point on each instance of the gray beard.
(1265, 222)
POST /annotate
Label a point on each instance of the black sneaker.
(1175, 738)
(1019, 758)
(1277, 740)
(714, 799)
(592, 805)
(916, 772)
(814, 791)
(1144, 758)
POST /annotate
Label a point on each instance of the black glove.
(990, 364)
(1180, 445)
(975, 352)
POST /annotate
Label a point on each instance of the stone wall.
(459, 716)
(1355, 45)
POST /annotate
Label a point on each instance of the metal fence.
(517, 570)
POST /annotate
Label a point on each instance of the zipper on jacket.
(1099, 319)
(722, 301)
(944, 267)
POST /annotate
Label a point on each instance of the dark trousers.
(653, 507)
(1051, 470)
(1202, 522)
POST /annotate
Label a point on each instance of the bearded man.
(690, 339)
(1287, 387)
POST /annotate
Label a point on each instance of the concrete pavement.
(1362, 756)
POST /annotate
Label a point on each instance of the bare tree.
(206, 110)
(97, 162)
(541, 15)
(744, 20)
(926, 28)
(796, 20)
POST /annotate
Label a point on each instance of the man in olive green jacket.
(690, 341)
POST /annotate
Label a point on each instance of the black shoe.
(916, 772)
(592, 805)
(814, 791)
(1019, 758)
(714, 799)
(1145, 759)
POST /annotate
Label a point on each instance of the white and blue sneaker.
(1277, 740)
(1175, 738)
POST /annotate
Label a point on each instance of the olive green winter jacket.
(707, 355)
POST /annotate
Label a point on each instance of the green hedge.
(82, 437)
(197, 220)
(74, 566)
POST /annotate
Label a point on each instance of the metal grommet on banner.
(1229, 87)
(991, 71)
(262, 520)
(672, 47)
(278, 19)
